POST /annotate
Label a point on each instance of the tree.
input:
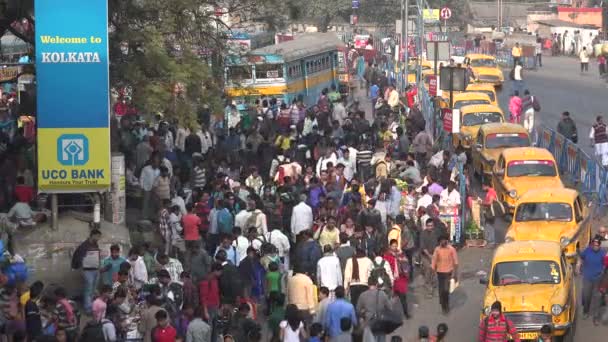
(169, 53)
(321, 11)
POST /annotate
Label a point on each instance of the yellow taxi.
(485, 68)
(426, 68)
(491, 139)
(552, 214)
(485, 88)
(535, 285)
(467, 99)
(471, 118)
(521, 169)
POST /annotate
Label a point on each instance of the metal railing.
(587, 174)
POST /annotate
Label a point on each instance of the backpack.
(93, 331)
(267, 246)
(535, 104)
(379, 272)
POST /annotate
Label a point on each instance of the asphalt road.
(559, 87)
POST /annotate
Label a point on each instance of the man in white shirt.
(301, 218)
(350, 163)
(138, 274)
(584, 57)
(425, 200)
(329, 271)
(281, 242)
(393, 97)
(450, 198)
(240, 243)
(146, 180)
(339, 113)
(206, 139)
(251, 217)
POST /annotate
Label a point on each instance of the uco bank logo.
(72, 149)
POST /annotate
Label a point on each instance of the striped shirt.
(200, 177)
(364, 158)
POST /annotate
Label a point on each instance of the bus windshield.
(266, 71)
(237, 73)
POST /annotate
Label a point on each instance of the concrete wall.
(533, 17)
(581, 16)
(48, 253)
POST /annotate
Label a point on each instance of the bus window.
(239, 73)
(268, 71)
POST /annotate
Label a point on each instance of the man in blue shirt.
(111, 266)
(337, 310)
(374, 93)
(592, 263)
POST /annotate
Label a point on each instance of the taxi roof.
(471, 95)
(527, 153)
(480, 86)
(480, 108)
(527, 250)
(548, 195)
(502, 127)
(479, 56)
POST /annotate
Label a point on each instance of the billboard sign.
(73, 131)
(430, 15)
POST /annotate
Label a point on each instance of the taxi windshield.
(526, 272)
(507, 140)
(462, 103)
(531, 168)
(487, 92)
(544, 212)
(484, 62)
(474, 119)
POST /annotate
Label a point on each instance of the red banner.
(447, 120)
(432, 85)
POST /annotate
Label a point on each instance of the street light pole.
(405, 39)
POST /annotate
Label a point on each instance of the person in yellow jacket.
(516, 53)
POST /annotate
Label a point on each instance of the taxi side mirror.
(499, 173)
(478, 146)
(483, 281)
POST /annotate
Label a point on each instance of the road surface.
(561, 87)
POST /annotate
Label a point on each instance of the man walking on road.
(584, 57)
(567, 127)
(496, 327)
(592, 263)
(428, 242)
(599, 140)
(529, 106)
(516, 53)
(445, 264)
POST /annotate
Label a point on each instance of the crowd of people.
(277, 223)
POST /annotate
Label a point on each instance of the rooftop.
(564, 23)
(514, 13)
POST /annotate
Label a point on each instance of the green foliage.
(471, 227)
(164, 41)
(321, 11)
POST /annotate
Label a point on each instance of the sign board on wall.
(432, 85)
(73, 131)
(430, 15)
